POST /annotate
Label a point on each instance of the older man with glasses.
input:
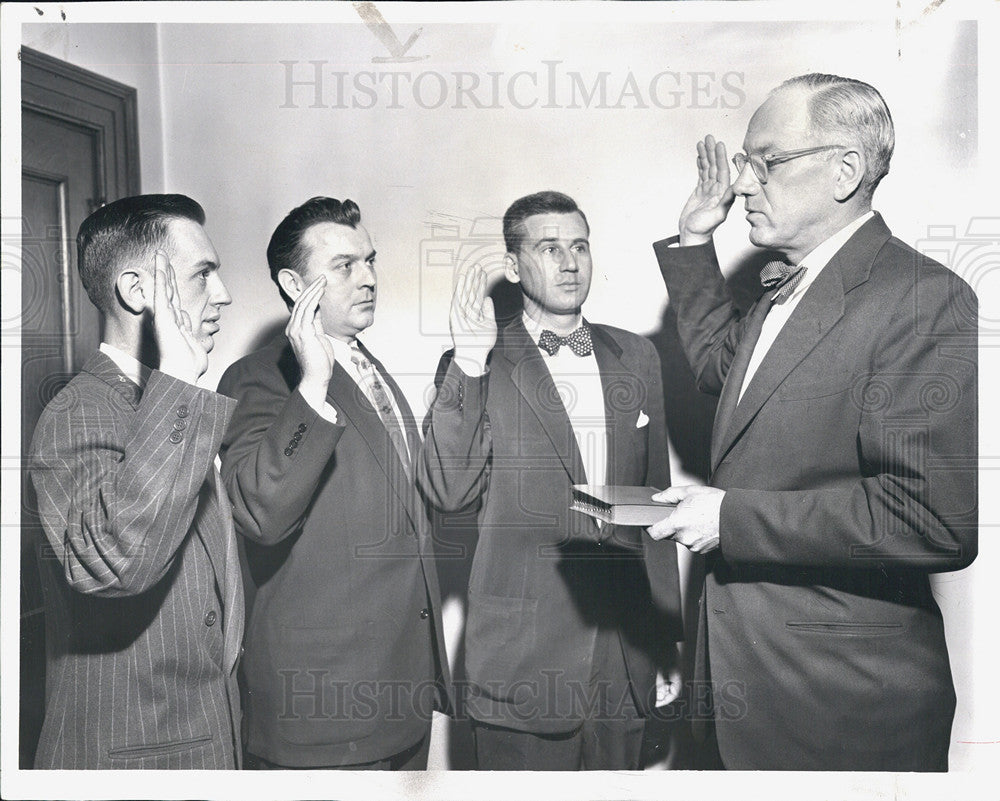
(843, 451)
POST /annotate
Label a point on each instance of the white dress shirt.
(131, 368)
(779, 313)
(578, 382)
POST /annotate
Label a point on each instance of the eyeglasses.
(761, 164)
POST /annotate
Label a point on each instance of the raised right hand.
(181, 355)
(312, 349)
(712, 197)
(472, 320)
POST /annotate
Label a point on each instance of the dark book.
(619, 505)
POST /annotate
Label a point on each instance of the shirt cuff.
(328, 413)
(323, 409)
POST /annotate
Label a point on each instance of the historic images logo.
(318, 83)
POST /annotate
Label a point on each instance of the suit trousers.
(609, 738)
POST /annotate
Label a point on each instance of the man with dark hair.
(843, 452)
(144, 602)
(566, 626)
(345, 658)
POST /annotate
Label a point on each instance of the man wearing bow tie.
(345, 659)
(843, 450)
(565, 628)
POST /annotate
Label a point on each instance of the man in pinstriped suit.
(144, 602)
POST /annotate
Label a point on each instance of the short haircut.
(286, 250)
(126, 231)
(853, 109)
(539, 203)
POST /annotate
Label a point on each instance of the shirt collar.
(535, 329)
(342, 351)
(820, 256)
(134, 370)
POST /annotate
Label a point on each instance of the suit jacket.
(345, 657)
(850, 475)
(144, 602)
(544, 579)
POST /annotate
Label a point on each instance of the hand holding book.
(620, 505)
(695, 523)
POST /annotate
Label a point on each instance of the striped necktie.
(372, 386)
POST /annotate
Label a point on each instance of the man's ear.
(850, 174)
(510, 268)
(134, 287)
(291, 282)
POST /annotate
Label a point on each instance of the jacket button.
(210, 617)
(180, 425)
(289, 451)
(296, 436)
(175, 437)
(302, 427)
(425, 613)
(182, 411)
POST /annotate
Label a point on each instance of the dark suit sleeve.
(274, 452)
(457, 441)
(118, 488)
(915, 503)
(708, 322)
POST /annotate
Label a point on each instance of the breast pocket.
(816, 388)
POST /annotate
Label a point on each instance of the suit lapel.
(623, 393)
(533, 380)
(348, 399)
(818, 312)
(734, 378)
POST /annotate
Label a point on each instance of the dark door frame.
(108, 110)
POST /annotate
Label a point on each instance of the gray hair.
(855, 109)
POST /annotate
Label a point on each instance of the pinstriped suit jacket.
(144, 611)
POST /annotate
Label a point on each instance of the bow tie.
(579, 341)
(782, 277)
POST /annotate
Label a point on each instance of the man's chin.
(363, 319)
(759, 237)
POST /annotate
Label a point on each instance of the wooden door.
(79, 149)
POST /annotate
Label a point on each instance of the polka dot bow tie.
(579, 341)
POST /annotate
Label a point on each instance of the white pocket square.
(642, 421)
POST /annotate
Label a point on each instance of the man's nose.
(746, 182)
(366, 276)
(568, 263)
(220, 295)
